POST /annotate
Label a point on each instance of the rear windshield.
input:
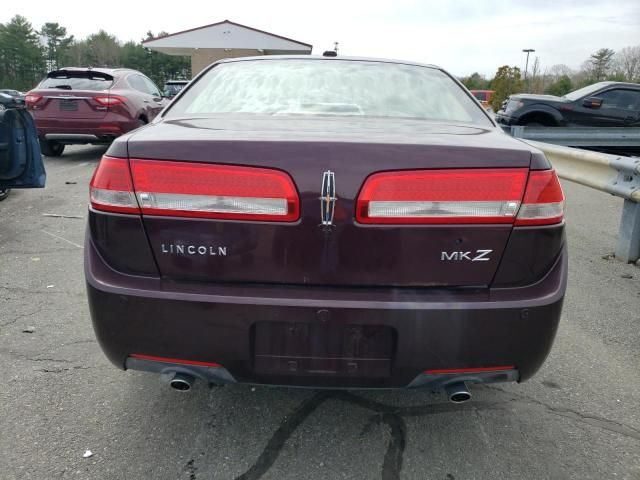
(171, 89)
(77, 82)
(328, 87)
(584, 91)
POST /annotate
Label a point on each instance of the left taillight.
(204, 190)
(31, 99)
(198, 190)
(111, 187)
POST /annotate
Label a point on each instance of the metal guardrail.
(579, 136)
(617, 175)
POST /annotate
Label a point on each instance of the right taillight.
(461, 196)
(197, 190)
(543, 202)
(452, 196)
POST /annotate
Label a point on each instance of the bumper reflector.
(153, 358)
(444, 371)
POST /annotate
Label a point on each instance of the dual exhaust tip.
(456, 392)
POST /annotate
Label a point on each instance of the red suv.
(91, 105)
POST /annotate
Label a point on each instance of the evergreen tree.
(601, 63)
(560, 87)
(22, 62)
(56, 44)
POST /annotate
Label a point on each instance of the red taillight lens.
(543, 202)
(111, 188)
(442, 196)
(214, 191)
(193, 190)
(31, 99)
(109, 100)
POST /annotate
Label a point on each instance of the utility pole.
(526, 67)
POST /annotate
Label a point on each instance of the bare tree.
(558, 70)
(627, 63)
(536, 80)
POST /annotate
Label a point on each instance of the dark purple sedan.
(326, 222)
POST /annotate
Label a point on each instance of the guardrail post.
(517, 131)
(628, 249)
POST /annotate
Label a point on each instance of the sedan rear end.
(326, 222)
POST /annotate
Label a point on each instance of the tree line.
(27, 54)
(604, 64)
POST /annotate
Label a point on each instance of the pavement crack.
(36, 359)
(277, 441)
(19, 317)
(593, 420)
(62, 370)
(191, 469)
(392, 463)
(76, 342)
(41, 359)
(33, 291)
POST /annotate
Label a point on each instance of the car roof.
(617, 84)
(328, 59)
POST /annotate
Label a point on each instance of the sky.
(462, 36)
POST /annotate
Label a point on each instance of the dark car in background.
(173, 87)
(91, 105)
(603, 104)
(326, 222)
(15, 95)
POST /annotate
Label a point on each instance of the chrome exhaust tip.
(182, 382)
(458, 392)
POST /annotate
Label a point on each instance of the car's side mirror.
(592, 102)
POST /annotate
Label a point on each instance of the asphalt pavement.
(579, 417)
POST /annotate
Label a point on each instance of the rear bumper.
(433, 329)
(78, 131)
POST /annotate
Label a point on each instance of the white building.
(224, 39)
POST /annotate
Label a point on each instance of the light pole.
(526, 66)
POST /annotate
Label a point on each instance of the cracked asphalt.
(579, 417)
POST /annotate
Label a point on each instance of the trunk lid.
(348, 253)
